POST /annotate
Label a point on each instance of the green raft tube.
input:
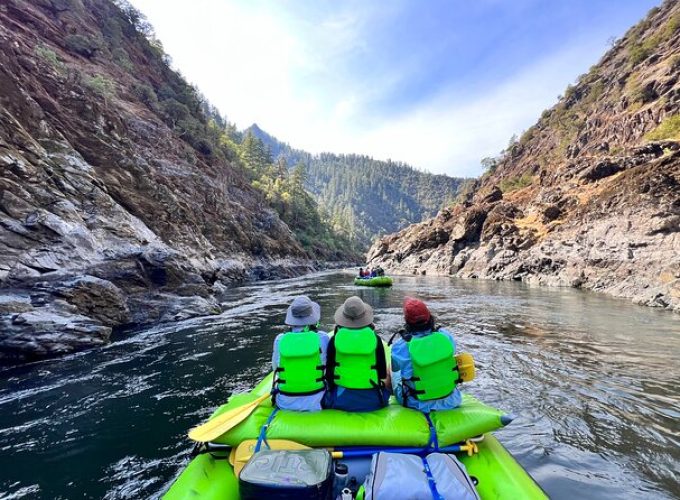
(211, 476)
(375, 281)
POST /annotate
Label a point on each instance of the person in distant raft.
(299, 359)
(424, 369)
(356, 370)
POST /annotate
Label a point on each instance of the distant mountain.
(363, 197)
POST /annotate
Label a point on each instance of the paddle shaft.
(215, 427)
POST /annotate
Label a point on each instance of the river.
(592, 380)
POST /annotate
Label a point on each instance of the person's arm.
(323, 342)
(330, 362)
(275, 352)
(380, 360)
(395, 365)
(383, 366)
(451, 337)
(396, 368)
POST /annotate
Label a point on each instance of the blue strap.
(430, 480)
(262, 438)
(433, 443)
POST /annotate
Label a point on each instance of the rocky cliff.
(589, 197)
(115, 210)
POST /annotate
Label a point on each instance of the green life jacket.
(435, 372)
(300, 371)
(356, 365)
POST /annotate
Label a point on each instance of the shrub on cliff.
(641, 94)
(83, 45)
(174, 111)
(147, 95)
(100, 85)
(490, 163)
(641, 50)
(514, 183)
(121, 58)
(48, 55)
(667, 129)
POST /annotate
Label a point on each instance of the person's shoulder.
(399, 341)
(448, 333)
(399, 346)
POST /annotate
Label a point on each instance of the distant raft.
(375, 281)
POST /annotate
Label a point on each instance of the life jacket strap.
(308, 393)
(458, 377)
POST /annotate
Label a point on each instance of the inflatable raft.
(376, 281)
(498, 475)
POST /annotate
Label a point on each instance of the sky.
(438, 84)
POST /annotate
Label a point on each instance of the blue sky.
(439, 84)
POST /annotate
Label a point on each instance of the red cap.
(415, 311)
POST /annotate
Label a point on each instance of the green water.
(593, 381)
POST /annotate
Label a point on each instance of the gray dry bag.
(398, 475)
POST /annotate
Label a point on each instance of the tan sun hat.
(354, 313)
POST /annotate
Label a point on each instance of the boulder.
(46, 332)
(97, 298)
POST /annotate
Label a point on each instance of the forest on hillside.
(361, 197)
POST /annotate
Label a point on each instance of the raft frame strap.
(430, 480)
(433, 442)
(262, 438)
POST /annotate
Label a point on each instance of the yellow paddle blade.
(217, 426)
(243, 452)
(466, 366)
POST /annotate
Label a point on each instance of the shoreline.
(73, 310)
(546, 281)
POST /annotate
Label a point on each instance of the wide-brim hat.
(303, 312)
(354, 313)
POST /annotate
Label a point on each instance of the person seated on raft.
(356, 371)
(424, 369)
(299, 359)
(361, 272)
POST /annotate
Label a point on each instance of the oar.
(466, 366)
(240, 455)
(217, 426)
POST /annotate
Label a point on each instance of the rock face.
(108, 216)
(589, 197)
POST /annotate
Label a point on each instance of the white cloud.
(447, 135)
(259, 64)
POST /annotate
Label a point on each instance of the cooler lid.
(299, 468)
